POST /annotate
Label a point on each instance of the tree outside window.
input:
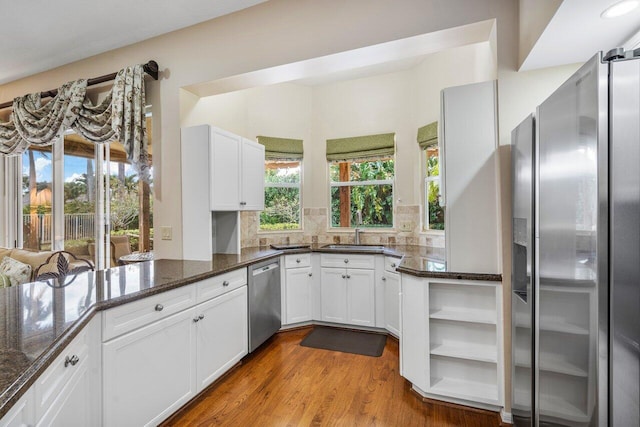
(364, 186)
(281, 196)
(434, 212)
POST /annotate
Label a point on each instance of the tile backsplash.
(316, 232)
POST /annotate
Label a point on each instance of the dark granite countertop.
(38, 321)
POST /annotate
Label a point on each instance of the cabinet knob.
(344, 276)
(71, 360)
(201, 317)
(346, 261)
(393, 265)
(225, 283)
(243, 203)
(384, 279)
(348, 276)
(159, 307)
(310, 274)
(298, 260)
(196, 319)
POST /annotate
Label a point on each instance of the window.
(364, 186)
(59, 187)
(434, 212)
(282, 204)
(281, 196)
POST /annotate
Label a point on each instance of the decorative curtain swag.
(119, 117)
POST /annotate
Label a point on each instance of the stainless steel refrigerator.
(576, 251)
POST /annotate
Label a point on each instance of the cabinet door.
(221, 335)
(333, 294)
(225, 165)
(22, 413)
(361, 298)
(392, 303)
(72, 406)
(252, 178)
(414, 352)
(149, 373)
(298, 294)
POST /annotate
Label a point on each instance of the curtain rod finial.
(151, 68)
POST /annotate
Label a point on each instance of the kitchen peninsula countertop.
(38, 321)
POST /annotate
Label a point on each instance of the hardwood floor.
(284, 384)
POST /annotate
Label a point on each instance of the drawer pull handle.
(225, 283)
(346, 261)
(298, 260)
(159, 307)
(73, 360)
(384, 279)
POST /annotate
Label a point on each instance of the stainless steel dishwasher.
(264, 302)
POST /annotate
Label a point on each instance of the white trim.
(506, 417)
(361, 183)
(463, 402)
(282, 184)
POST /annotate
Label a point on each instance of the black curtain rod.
(150, 68)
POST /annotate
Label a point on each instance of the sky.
(74, 167)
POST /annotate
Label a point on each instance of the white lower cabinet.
(149, 373)
(152, 371)
(21, 413)
(298, 292)
(391, 283)
(221, 335)
(451, 345)
(348, 296)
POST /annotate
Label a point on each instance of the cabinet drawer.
(128, 317)
(391, 263)
(347, 260)
(297, 260)
(221, 284)
(49, 385)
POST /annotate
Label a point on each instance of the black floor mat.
(365, 343)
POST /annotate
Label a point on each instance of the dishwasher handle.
(266, 268)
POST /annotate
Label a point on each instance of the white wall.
(399, 102)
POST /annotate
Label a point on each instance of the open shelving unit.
(465, 341)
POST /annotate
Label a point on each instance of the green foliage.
(436, 212)
(279, 226)
(374, 201)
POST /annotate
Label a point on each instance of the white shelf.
(465, 315)
(552, 324)
(481, 353)
(556, 407)
(551, 363)
(467, 390)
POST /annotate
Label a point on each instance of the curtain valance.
(428, 135)
(281, 148)
(120, 116)
(361, 147)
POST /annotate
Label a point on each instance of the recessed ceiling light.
(619, 9)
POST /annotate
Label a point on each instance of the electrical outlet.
(166, 232)
(406, 226)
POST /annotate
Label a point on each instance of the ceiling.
(39, 35)
(573, 34)
(576, 32)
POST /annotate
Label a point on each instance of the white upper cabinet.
(469, 171)
(252, 177)
(227, 167)
(237, 172)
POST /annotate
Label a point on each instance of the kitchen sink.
(372, 248)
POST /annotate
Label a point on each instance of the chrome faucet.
(358, 223)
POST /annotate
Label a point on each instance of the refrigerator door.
(625, 243)
(522, 173)
(571, 144)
